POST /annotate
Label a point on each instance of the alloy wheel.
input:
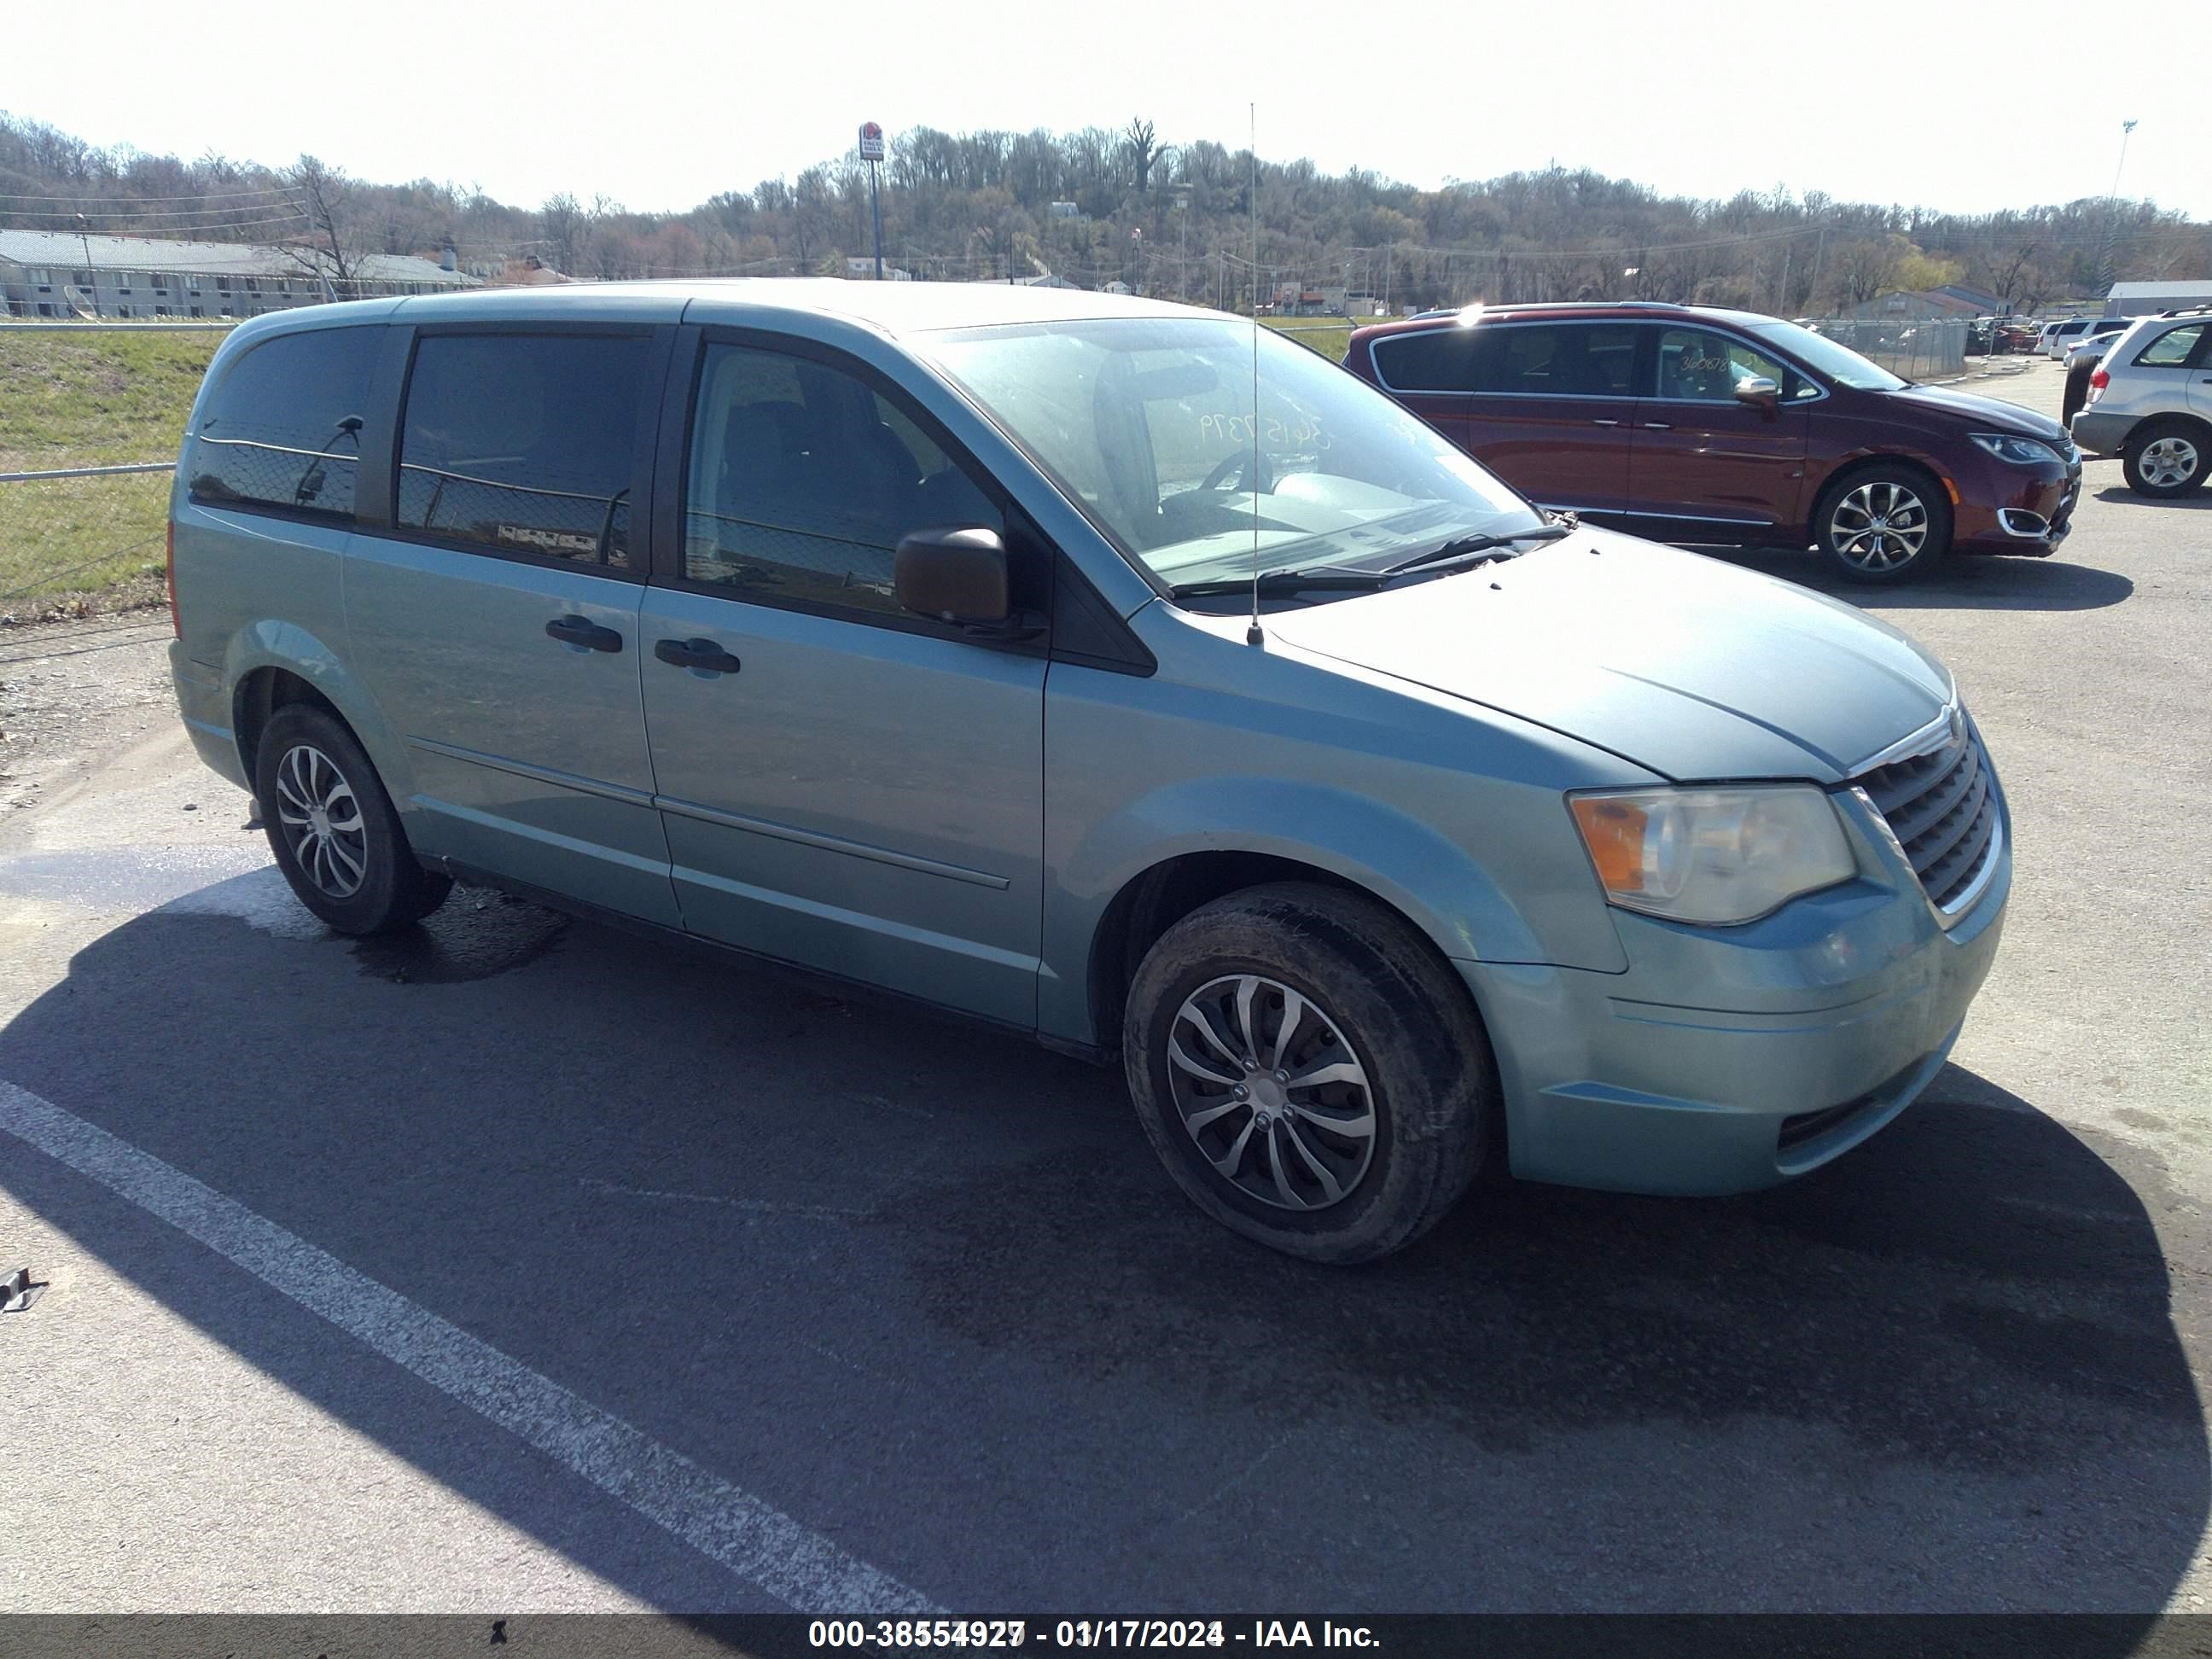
(1879, 526)
(2169, 462)
(1271, 1092)
(321, 821)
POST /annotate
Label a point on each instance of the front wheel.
(1309, 1072)
(2164, 459)
(1885, 524)
(333, 828)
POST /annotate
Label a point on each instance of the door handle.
(1600, 422)
(1658, 425)
(704, 655)
(582, 630)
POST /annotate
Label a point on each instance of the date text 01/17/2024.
(1083, 1633)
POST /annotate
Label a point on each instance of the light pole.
(2111, 262)
(2126, 127)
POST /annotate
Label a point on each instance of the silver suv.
(2150, 404)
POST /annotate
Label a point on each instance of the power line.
(171, 213)
(202, 196)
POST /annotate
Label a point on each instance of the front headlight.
(1717, 857)
(2006, 446)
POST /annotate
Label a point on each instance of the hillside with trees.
(1099, 206)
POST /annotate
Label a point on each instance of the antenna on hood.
(1253, 635)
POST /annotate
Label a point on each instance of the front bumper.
(2006, 508)
(1726, 1059)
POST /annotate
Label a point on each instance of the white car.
(2057, 336)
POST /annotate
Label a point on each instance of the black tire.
(2165, 459)
(308, 755)
(1371, 988)
(1851, 527)
(2076, 393)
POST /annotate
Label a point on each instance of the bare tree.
(565, 227)
(1139, 139)
(321, 192)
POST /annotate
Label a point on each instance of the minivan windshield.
(1838, 363)
(1150, 423)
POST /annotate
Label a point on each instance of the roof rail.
(1587, 305)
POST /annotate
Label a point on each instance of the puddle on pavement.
(126, 878)
(476, 933)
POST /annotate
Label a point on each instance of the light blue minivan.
(1106, 670)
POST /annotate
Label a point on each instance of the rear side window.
(2171, 348)
(523, 444)
(1584, 359)
(283, 430)
(803, 480)
(1440, 360)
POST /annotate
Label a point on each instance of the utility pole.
(92, 273)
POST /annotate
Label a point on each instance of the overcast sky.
(1955, 104)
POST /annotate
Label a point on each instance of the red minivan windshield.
(1838, 363)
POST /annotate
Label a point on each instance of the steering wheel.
(1239, 462)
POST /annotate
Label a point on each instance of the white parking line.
(752, 1538)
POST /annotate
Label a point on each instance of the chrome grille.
(1940, 808)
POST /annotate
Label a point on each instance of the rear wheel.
(1309, 1072)
(1883, 524)
(2165, 458)
(333, 828)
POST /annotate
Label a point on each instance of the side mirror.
(1759, 391)
(954, 576)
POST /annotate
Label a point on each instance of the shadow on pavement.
(1969, 582)
(989, 1350)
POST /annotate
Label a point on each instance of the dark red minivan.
(1688, 424)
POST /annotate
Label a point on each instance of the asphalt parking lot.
(522, 1265)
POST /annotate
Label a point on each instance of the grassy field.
(1329, 336)
(76, 398)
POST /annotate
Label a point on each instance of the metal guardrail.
(118, 327)
(89, 472)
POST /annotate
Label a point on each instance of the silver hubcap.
(321, 821)
(1879, 527)
(2168, 462)
(1271, 1092)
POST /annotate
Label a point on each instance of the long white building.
(45, 273)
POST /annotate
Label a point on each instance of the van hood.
(1691, 667)
(1993, 414)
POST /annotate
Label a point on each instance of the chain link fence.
(1918, 348)
(81, 540)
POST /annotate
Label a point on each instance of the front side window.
(1696, 365)
(2171, 348)
(803, 480)
(283, 430)
(523, 443)
(1152, 425)
(1817, 351)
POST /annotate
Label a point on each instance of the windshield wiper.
(1469, 549)
(1466, 547)
(1284, 581)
